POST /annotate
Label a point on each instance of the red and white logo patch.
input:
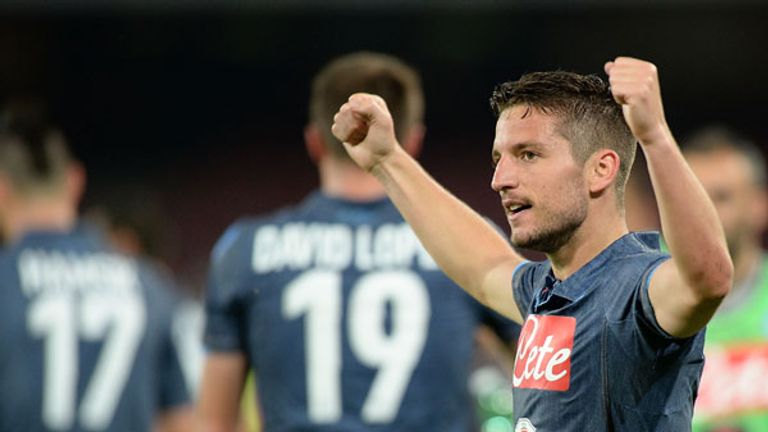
(733, 381)
(544, 349)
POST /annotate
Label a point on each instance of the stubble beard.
(554, 232)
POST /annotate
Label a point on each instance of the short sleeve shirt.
(591, 355)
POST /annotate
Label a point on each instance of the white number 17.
(62, 320)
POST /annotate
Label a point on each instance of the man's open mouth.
(517, 208)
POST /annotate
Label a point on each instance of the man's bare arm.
(178, 419)
(467, 249)
(686, 290)
(221, 391)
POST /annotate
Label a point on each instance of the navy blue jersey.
(345, 318)
(592, 356)
(85, 338)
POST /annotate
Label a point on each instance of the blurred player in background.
(85, 331)
(135, 223)
(613, 334)
(346, 320)
(134, 218)
(733, 396)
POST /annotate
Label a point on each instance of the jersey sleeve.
(646, 316)
(174, 387)
(224, 329)
(188, 337)
(171, 384)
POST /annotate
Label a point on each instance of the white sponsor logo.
(544, 353)
(524, 425)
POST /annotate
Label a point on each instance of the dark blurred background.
(200, 105)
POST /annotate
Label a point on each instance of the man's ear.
(413, 141)
(759, 209)
(6, 191)
(602, 169)
(75, 182)
(314, 141)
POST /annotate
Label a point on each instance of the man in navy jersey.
(345, 319)
(85, 333)
(613, 328)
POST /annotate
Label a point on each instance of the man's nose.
(504, 175)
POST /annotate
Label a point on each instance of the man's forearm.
(689, 220)
(458, 239)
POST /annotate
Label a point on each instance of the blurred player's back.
(346, 319)
(86, 337)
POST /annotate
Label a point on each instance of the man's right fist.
(358, 131)
(364, 125)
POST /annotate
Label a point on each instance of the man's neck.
(339, 178)
(594, 236)
(38, 215)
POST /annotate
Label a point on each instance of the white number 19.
(394, 353)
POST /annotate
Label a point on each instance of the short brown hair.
(33, 154)
(589, 116)
(397, 83)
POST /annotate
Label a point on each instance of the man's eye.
(527, 155)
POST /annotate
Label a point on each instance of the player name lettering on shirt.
(55, 272)
(298, 246)
(543, 358)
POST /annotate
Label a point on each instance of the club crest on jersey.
(544, 350)
(524, 425)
